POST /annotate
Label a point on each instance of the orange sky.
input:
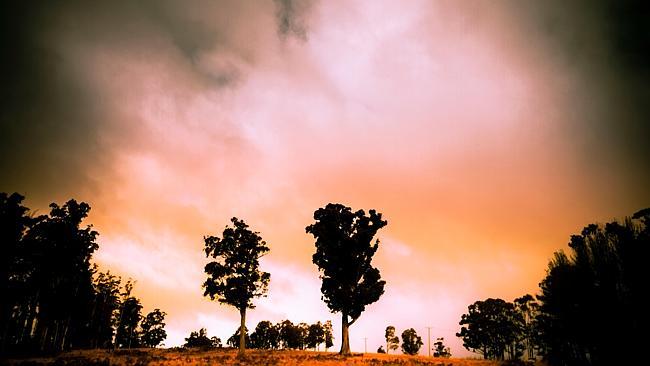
(455, 120)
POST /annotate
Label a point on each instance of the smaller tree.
(381, 349)
(440, 350)
(329, 335)
(303, 332)
(216, 342)
(392, 341)
(265, 336)
(289, 335)
(127, 335)
(153, 328)
(315, 335)
(491, 328)
(200, 340)
(233, 341)
(411, 342)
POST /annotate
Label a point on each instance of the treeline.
(269, 336)
(590, 310)
(52, 297)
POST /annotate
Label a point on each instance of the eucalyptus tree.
(234, 277)
(344, 252)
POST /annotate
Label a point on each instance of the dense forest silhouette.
(52, 298)
(589, 310)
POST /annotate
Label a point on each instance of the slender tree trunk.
(345, 340)
(242, 332)
(44, 338)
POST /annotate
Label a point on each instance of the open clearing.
(228, 357)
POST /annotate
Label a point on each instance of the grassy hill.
(228, 357)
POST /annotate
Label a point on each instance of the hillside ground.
(228, 357)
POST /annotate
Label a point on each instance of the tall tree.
(61, 276)
(392, 341)
(344, 251)
(153, 328)
(234, 277)
(411, 342)
(14, 266)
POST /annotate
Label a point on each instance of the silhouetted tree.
(592, 302)
(303, 332)
(411, 342)
(16, 299)
(234, 339)
(344, 252)
(60, 277)
(216, 342)
(153, 328)
(105, 313)
(392, 341)
(381, 349)
(290, 335)
(329, 335)
(492, 328)
(265, 336)
(315, 335)
(234, 277)
(199, 339)
(440, 350)
(528, 309)
(127, 334)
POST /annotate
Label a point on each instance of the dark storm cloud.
(290, 17)
(51, 117)
(45, 121)
(605, 44)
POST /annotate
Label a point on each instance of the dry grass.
(228, 357)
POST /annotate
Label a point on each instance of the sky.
(485, 132)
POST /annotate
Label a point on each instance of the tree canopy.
(234, 277)
(344, 252)
(491, 327)
(392, 340)
(411, 342)
(153, 328)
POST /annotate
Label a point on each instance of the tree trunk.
(345, 339)
(242, 332)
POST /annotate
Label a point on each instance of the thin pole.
(429, 340)
(365, 345)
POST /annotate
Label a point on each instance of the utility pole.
(429, 340)
(365, 345)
